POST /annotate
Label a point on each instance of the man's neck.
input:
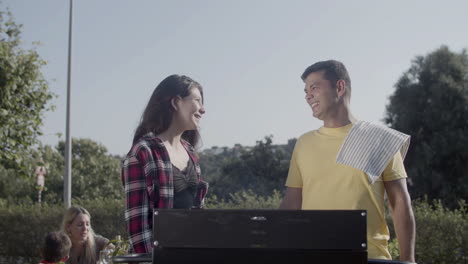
(341, 118)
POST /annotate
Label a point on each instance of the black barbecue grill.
(257, 236)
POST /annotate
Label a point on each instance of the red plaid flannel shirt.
(148, 183)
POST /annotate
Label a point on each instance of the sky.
(247, 54)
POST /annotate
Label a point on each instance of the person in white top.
(40, 172)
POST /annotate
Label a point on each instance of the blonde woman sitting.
(85, 244)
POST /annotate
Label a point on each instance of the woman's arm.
(137, 213)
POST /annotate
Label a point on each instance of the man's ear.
(174, 102)
(341, 88)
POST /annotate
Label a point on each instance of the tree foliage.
(430, 103)
(95, 174)
(262, 168)
(24, 95)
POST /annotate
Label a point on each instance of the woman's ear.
(174, 102)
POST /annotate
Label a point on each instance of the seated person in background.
(56, 248)
(85, 244)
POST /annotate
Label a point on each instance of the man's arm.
(292, 199)
(403, 217)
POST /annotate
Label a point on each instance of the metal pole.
(68, 146)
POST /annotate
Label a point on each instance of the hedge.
(441, 234)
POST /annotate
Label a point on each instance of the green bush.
(16, 189)
(23, 228)
(441, 234)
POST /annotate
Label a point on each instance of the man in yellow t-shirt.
(316, 181)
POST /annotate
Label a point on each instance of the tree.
(95, 174)
(261, 169)
(24, 95)
(430, 103)
(22, 190)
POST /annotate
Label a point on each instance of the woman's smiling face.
(190, 110)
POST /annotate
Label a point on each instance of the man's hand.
(292, 199)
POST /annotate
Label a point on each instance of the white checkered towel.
(370, 147)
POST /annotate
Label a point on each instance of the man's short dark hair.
(56, 246)
(333, 71)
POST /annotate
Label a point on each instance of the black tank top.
(185, 186)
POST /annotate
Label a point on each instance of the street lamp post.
(68, 146)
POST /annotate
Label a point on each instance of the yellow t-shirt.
(327, 185)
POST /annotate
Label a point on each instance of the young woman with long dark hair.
(161, 169)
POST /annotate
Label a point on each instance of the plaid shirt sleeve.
(137, 212)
